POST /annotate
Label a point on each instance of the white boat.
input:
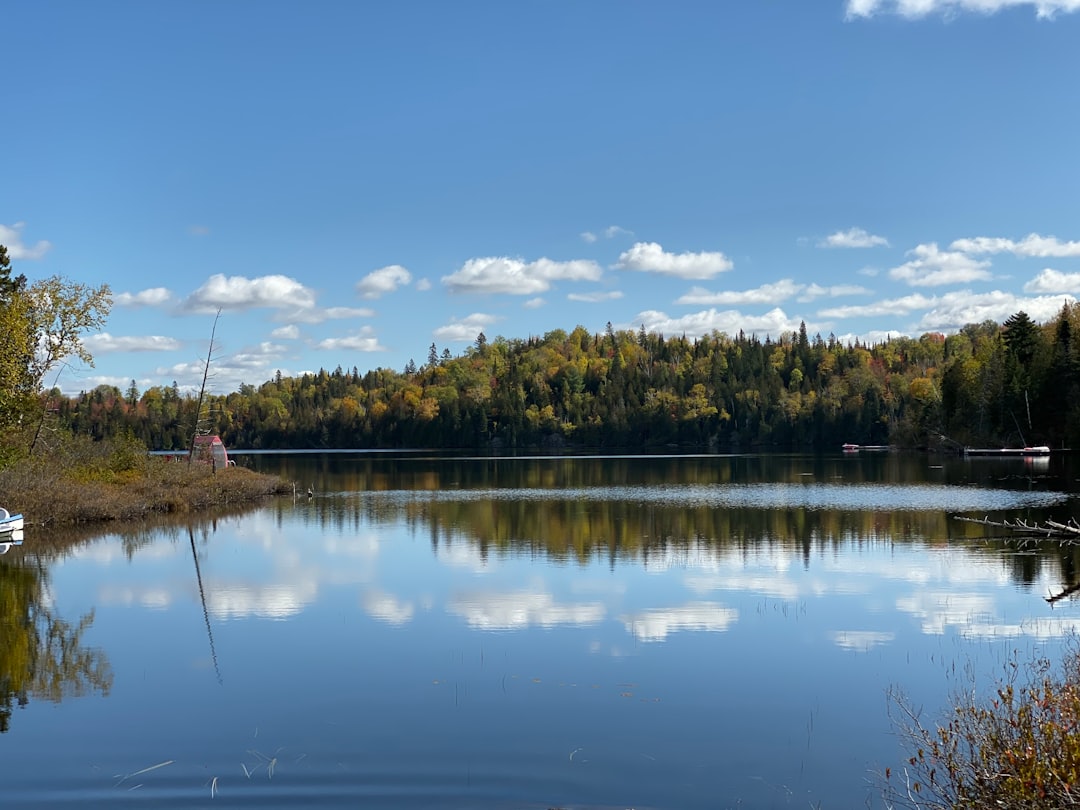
(14, 538)
(9, 523)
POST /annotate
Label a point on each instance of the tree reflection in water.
(42, 655)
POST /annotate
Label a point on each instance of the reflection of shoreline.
(630, 532)
(42, 656)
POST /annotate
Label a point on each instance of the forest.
(989, 385)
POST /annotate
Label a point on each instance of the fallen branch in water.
(1050, 528)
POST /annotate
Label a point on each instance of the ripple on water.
(846, 497)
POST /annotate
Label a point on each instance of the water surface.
(438, 631)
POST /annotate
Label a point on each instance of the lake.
(438, 631)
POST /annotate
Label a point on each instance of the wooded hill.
(988, 385)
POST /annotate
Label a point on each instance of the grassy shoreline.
(80, 481)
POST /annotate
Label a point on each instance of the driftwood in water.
(1065, 533)
(1051, 528)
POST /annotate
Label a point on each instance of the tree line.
(990, 384)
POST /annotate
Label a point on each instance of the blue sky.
(352, 182)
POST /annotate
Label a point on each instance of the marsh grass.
(1016, 748)
(84, 481)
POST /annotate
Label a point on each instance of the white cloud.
(382, 281)
(423, 285)
(499, 274)
(931, 267)
(765, 294)
(287, 332)
(650, 257)
(1032, 245)
(256, 357)
(815, 291)
(588, 236)
(1053, 281)
(466, 329)
(11, 238)
(364, 341)
(954, 309)
(957, 309)
(239, 292)
(853, 238)
(105, 343)
(153, 297)
(320, 314)
(595, 297)
(917, 9)
(534, 303)
(729, 321)
(228, 372)
(892, 306)
(611, 231)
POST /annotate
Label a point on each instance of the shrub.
(1016, 748)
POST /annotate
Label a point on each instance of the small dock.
(1039, 450)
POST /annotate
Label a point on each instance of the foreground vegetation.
(1016, 750)
(79, 480)
(990, 384)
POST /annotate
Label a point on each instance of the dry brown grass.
(81, 481)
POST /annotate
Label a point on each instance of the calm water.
(473, 632)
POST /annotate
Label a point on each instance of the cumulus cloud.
(11, 238)
(650, 257)
(288, 332)
(729, 321)
(765, 294)
(1032, 245)
(239, 293)
(321, 314)
(105, 343)
(917, 9)
(465, 329)
(258, 356)
(382, 281)
(534, 303)
(931, 267)
(610, 232)
(595, 297)
(152, 297)
(363, 341)
(956, 309)
(815, 291)
(853, 238)
(892, 306)
(228, 372)
(1053, 281)
(423, 285)
(499, 274)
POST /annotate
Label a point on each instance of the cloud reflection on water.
(517, 610)
(656, 624)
